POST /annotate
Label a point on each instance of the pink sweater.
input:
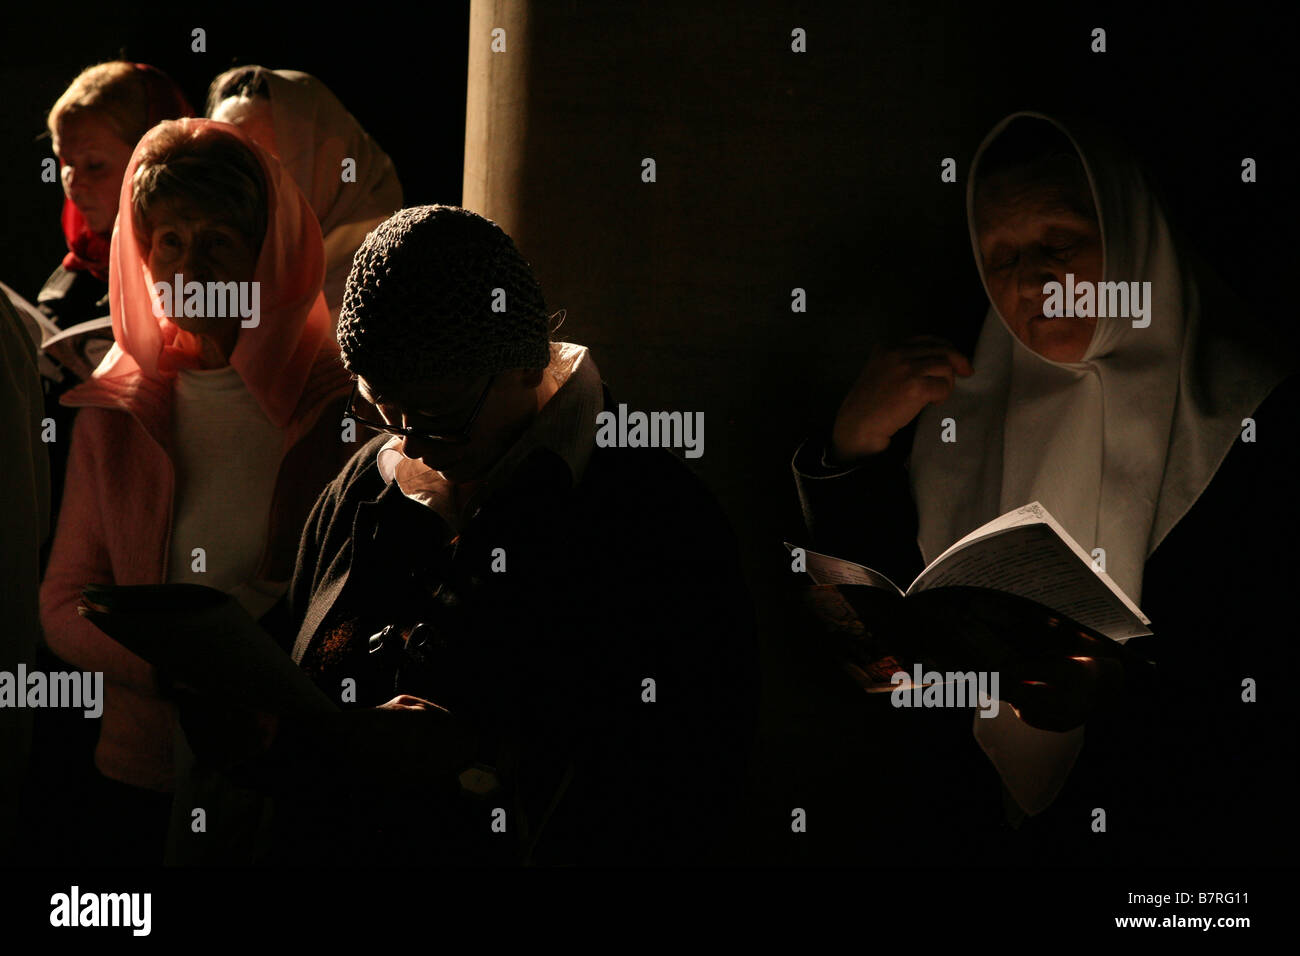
(115, 527)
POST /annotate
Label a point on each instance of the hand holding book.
(1016, 596)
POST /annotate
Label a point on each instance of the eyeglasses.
(458, 437)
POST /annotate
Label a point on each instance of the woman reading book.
(93, 126)
(1145, 433)
(202, 438)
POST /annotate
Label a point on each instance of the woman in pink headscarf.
(349, 181)
(203, 439)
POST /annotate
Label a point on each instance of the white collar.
(566, 425)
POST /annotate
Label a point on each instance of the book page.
(39, 326)
(824, 569)
(1027, 553)
(89, 327)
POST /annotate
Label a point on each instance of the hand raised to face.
(896, 384)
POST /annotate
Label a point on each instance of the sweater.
(115, 527)
(630, 574)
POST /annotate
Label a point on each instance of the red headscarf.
(274, 357)
(89, 250)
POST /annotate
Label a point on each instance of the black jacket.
(1189, 774)
(69, 297)
(631, 575)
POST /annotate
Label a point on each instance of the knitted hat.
(440, 291)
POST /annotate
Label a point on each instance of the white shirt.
(227, 457)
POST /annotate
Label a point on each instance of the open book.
(1016, 597)
(204, 638)
(91, 339)
(39, 326)
(1024, 552)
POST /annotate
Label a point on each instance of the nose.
(415, 448)
(1034, 271)
(193, 264)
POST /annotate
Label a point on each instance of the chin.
(95, 226)
(453, 470)
(1060, 346)
(196, 326)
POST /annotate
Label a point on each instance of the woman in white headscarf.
(350, 182)
(1140, 434)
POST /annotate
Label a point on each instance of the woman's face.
(511, 402)
(201, 248)
(94, 160)
(1030, 235)
(252, 114)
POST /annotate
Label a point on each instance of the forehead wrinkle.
(1054, 214)
(1001, 198)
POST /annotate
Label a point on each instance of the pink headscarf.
(273, 358)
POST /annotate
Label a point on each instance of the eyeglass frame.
(457, 438)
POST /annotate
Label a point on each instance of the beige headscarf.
(314, 134)
(1118, 446)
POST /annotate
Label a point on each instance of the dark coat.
(1188, 774)
(633, 574)
(69, 297)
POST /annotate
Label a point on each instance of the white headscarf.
(1117, 446)
(314, 134)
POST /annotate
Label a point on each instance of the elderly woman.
(202, 438)
(1133, 433)
(93, 125)
(349, 181)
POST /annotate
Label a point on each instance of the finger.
(410, 702)
(932, 368)
(946, 352)
(404, 701)
(936, 389)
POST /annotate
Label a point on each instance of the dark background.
(403, 79)
(775, 170)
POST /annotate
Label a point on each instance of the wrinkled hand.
(894, 386)
(408, 740)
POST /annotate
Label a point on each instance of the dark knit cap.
(420, 300)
